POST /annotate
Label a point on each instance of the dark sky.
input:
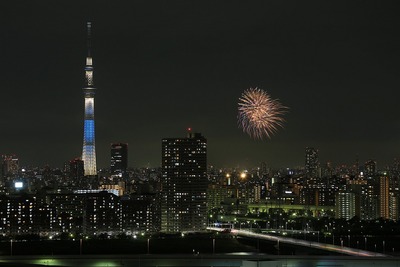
(162, 66)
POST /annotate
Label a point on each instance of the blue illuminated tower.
(89, 148)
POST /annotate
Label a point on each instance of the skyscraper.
(370, 169)
(393, 206)
(369, 201)
(384, 197)
(311, 163)
(119, 158)
(76, 170)
(89, 149)
(9, 165)
(184, 181)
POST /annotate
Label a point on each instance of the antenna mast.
(89, 37)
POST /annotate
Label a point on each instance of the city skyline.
(163, 68)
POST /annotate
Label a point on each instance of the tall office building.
(89, 149)
(119, 158)
(311, 163)
(184, 183)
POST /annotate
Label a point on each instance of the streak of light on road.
(304, 243)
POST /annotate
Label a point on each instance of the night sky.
(163, 66)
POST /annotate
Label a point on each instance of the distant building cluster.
(314, 190)
(184, 195)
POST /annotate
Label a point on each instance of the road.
(304, 243)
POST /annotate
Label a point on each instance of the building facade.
(140, 214)
(311, 163)
(345, 205)
(184, 183)
(119, 158)
(102, 213)
(76, 170)
(384, 197)
(9, 165)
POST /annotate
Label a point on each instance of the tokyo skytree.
(89, 148)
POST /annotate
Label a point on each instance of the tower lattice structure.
(89, 148)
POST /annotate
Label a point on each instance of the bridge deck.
(303, 243)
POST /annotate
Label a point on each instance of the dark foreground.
(200, 260)
(191, 245)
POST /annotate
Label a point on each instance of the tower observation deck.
(89, 148)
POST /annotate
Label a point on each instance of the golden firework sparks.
(259, 115)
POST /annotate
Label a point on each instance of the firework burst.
(259, 115)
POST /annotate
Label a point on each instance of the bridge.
(298, 242)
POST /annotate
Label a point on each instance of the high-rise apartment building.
(89, 148)
(9, 165)
(393, 206)
(384, 197)
(184, 183)
(76, 169)
(119, 158)
(369, 201)
(311, 163)
(370, 169)
(345, 205)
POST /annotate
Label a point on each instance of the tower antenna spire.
(89, 37)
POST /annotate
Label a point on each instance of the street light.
(228, 177)
(243, 176)
(365, 242)
(278, 248)
(148, 245)
(213, 245)
(305, 231)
